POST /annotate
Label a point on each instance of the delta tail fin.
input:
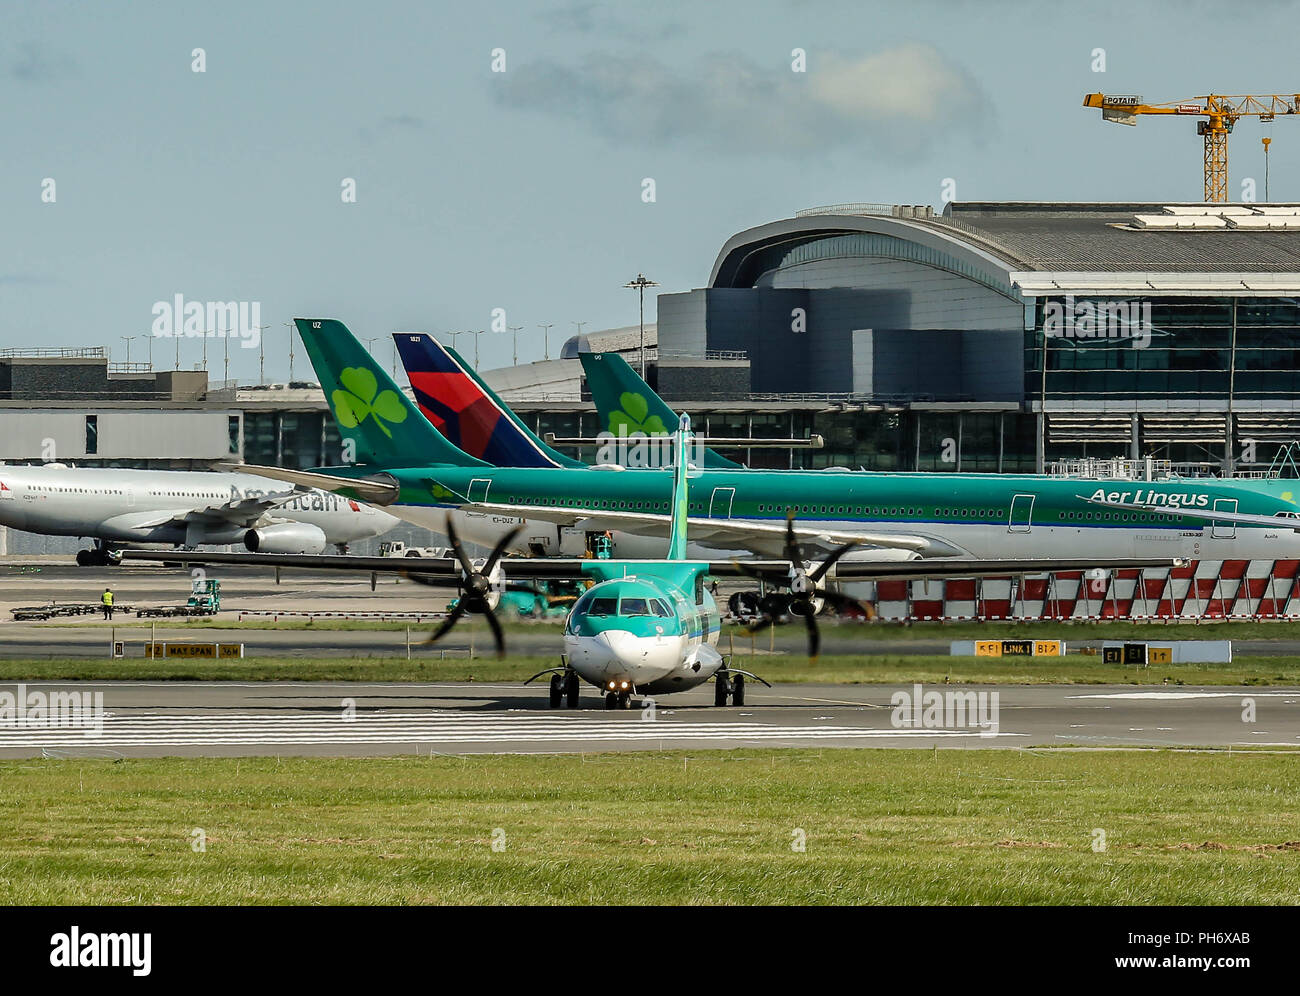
(463, 408)
(374, 417)
(626, 404)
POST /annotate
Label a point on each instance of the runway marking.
(1174, 696)
(162, 730)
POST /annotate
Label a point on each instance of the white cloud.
(891, 104)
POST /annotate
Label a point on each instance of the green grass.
(905, 827)
(830, 669)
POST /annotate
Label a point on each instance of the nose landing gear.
(730, 683)
(564, 686)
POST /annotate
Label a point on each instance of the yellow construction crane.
(1220, 114)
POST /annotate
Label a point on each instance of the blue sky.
(522, 190)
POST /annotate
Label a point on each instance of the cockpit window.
(659, 608)
(634, 607)
(603, 607)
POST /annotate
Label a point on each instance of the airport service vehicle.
(181, 508)
(410, 468)
(644, 627)
(204, 600)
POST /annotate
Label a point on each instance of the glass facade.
(882, 441)
(1164, 348)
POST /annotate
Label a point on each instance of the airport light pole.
(127, 339)
(640, 284)
(292, 330)
(261, 354)
(476, 333)
(546, 335)
(579, 325)
(514, 345)
(453, 335)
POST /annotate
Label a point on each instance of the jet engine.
(286, 537)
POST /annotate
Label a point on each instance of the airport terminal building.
(995, 337)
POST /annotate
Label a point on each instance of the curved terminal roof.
(1046, 248)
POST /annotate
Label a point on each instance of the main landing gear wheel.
(738, 690)
(98, 557)
(571, 689)
(720, 690)
(557, 690)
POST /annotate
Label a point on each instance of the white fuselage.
(954, 540)
(643, 654)
(133, 506)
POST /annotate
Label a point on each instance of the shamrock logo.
(360, 398)
(438, 491)
(632, 418)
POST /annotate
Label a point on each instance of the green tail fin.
(627, 405)
(381, 423)
(681, 498)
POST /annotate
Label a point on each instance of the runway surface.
(141, 719)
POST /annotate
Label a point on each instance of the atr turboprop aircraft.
(645, 627)
(407, 466)
(179, 508)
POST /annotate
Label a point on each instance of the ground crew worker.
(107, 599)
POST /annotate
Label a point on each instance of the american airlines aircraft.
(180, 508)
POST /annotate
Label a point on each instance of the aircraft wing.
(752, 534)
(241, 512)
(379, 488)
(446, 572)
(438, 571)
(919, 570)
(1286, 520)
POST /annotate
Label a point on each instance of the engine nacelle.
(286, 537)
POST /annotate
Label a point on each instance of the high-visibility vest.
(108, 598)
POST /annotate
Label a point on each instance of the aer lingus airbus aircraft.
(406, 465)
(645, 627)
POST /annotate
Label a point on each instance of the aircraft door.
(478, 489)
(1224, 530)
(1021, 519)
(720, 503)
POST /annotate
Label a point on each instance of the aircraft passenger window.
(634, 607)
(603, 607)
